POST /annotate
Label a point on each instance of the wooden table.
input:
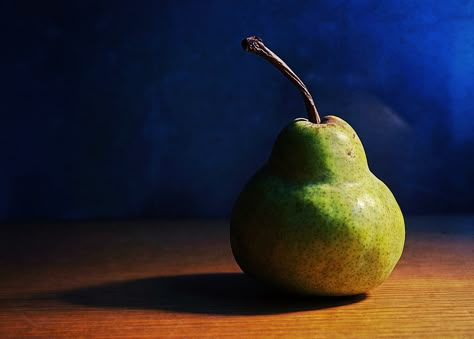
(179, 279)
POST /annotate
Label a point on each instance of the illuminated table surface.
(178, 279)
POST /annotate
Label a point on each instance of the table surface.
(179, 279)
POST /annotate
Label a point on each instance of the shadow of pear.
(214, 293)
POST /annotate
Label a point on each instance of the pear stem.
(255, 45)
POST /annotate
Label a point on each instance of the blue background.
(151, 108)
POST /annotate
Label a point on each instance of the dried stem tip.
(255, 45)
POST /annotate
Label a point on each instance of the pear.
(314, 220)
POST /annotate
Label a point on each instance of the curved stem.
(255, 45)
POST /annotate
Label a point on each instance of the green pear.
(314, 220)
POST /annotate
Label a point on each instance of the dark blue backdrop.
(151, 108)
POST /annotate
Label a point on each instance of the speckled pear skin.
(314, 220)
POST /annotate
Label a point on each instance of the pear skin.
(314, 219)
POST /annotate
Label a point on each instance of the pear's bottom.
(296, 269)
(303, 285)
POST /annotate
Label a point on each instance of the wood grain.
(178, 279)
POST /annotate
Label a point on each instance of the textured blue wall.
(151, 108)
